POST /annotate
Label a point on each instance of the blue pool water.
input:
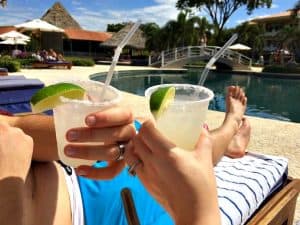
(272, 98)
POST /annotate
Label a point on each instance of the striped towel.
(244, 183)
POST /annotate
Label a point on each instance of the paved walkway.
(268, 136)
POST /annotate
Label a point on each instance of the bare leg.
(222, 137)
(42, 199)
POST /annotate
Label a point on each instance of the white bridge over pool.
(178, 57)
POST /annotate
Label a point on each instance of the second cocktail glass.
(183, 119)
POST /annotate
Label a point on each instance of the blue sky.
(96, 14)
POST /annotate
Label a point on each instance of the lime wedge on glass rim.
(49, 97)
(160, 100)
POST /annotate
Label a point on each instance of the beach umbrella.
(39, 25)
(14, 35)
(11, 41)
(239, 47)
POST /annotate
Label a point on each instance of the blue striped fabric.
(244, 183)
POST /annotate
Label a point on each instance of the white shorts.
(75, 198)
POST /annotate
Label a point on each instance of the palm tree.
(289, 36)
(186, 30)
(251, 35)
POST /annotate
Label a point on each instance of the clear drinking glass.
(72, 114)
(183, 120)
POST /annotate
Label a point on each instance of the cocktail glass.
(72, 114)
(183, 119)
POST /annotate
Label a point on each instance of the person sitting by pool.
(52, 56)
(42, 185)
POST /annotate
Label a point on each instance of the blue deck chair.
(16, 92)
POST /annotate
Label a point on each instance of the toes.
(230, 91)
(245, 101)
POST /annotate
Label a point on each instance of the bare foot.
(236, 103)
(239, 142)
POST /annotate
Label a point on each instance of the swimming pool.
(271, 98)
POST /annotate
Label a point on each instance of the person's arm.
(41, 129)
(15, 155)
(183, 182)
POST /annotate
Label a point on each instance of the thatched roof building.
(59, 16)
(138, 40)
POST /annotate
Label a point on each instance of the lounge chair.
(16, 92)
(3, 72)
(51, 64)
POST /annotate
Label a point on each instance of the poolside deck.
(268, 136)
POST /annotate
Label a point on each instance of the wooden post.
(162, 58)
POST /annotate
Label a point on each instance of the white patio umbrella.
(40, 25)
(11, 41)
(14, 35)
(239, 47)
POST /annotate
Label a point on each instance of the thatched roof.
(137, 41)
(59, 16)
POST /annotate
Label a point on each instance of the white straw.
(215, 58)
(117, 55)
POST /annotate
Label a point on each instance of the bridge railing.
(173, 55)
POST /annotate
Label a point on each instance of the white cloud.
(15, 15)
(76, 2)
(164, 11)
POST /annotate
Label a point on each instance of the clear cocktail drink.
(183, 119)
(72, 114)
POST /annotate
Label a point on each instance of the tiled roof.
(78, 34)
(6, 29)
(281, 15)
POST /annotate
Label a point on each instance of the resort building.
(73, 41)
(274, 25)
(76, 41)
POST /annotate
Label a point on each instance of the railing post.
(162, 58)
(202, 51)
(149, 60)
(239, 59)
(175, 54)
(189, 51)
(250, 63)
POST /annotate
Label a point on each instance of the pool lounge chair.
(51, 64)
(16, 92)
(280, 208)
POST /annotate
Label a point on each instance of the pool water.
(271, 98)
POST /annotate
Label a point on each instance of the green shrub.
(26, 61)
(10, 64)
(281, 69)
(76, 61)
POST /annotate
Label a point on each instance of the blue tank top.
(103, 205)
